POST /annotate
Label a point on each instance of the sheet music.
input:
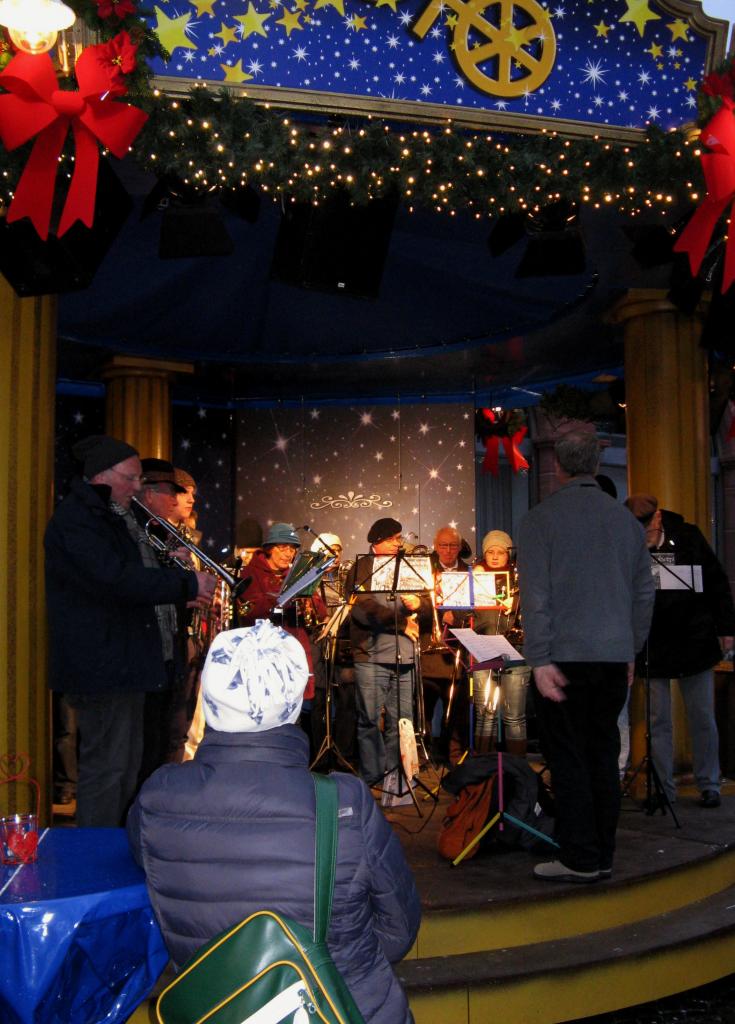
(463, 590)
(414, 574)
(668, 576)
(487, 648)
(305, 571)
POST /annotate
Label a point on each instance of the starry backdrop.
(338, 469)
(626, 63)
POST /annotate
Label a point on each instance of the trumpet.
(236, 585)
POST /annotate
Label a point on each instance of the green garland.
(212, 139)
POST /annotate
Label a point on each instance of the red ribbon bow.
(719, 174)
(35, 105)
(510, 444)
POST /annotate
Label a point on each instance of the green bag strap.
(327, 803)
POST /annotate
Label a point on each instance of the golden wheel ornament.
(504, 48)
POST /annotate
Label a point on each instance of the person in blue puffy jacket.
(232, 831)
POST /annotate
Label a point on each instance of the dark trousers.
(581, 742)
(110, 748)
(65, 749)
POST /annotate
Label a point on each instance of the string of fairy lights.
(213, 140)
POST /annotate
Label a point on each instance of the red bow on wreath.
(496, 431)
(34, 106)
(719, 174)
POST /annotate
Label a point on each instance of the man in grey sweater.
(587, 595)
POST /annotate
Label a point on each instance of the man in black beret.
(383, 633)
(105, 649)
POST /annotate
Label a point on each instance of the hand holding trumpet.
(206, 583)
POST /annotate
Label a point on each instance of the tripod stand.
(501, 815)
(329, 748)
(656, 798)
(670, 577)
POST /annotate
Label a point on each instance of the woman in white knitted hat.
(232, 832)
(497, 547)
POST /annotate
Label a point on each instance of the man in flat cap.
(383, 633)
(691, 629)
(105, 649)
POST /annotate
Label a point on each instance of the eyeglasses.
(449, 546)
(130, 477)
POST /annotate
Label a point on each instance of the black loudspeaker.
(193, 231)
(34, 267)
(335, 247)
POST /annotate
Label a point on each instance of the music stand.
(465, 591)
(668, 576)
(328, 636)
(391, 576)
(494, 653)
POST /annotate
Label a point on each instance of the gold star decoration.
(235, 73)
(678, 30)
(515, 37)
(300, 5)
(451, 20)
(357, 24)
(690, 85)
(677, 65)
(307, 19)
(639, 13)
(172, 31)
(203, 7)
(339, 5)
(602, 29)
(655, 50)
(290, 21)
(226, 33)
(660, 66)
(252, 22)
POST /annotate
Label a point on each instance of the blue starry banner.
(589, 65)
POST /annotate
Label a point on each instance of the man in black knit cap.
(104, 640)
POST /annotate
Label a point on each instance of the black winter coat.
(685, 627)
(100, 598)
(232, 832)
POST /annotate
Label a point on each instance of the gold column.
(138, 405)
(667, 410)
(667, 415)
(27, 392)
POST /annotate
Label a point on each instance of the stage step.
(578, 976)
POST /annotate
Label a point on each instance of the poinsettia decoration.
(118, 58)
(506, 426)
(114, 9)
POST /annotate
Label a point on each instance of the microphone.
(318, 536)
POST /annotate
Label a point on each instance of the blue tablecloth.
(78, 940)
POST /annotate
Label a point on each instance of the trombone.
(236, 585)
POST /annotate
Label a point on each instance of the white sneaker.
(555, 871)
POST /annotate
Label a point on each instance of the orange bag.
(467, 815)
